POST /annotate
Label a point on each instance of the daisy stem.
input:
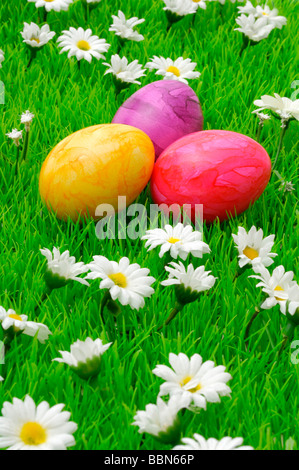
(282, 134)
(7, 339)
(105, 299)
(259, 131)
(288, 335)
(244, 45)
(120, 45)
(33, 55)
(43, 298)
(177, 308)
(247, 331)
(17, 160)
(25, 149)
(238, 273)
(45, 16)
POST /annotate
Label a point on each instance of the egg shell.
(225, 171)
(165, 110)
(94, 166)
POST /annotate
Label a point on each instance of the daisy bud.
(161, 420)
(189, 283)
(124, 28)
(62, 268)
(198, 442)
(176, 9)
(85, 357)
(16, 136)
(26, 119)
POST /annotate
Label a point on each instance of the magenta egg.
(165, 110)
(223, 171)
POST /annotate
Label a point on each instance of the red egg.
(222, 170)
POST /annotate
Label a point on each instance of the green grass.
(264, 404)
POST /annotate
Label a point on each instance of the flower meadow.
(179, 339)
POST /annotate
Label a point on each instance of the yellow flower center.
(33, 434)
(196, 1)
(35, 39)
(279, 288)
(174, 70)
(264, 13)
(49, 1)
(119, 279)
(173, 240)
(251, 253)
(83, 45)
(186, 380)
(15, 316)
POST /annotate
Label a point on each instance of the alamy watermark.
(295, 84)
(2, 353)
(133, 221)
(2, 93)
(295, 354)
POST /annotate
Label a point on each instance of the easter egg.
(165, 110)
(222, 170)
(94, 166)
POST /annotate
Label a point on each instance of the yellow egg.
(94, 166)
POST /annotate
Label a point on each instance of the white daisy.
(201, 382)
(125, 28)
(200, 4)
(32, 328)
(85, 357)
(180, 7)
(277, 286)
(254, 28)
(25, 426)
(26, 118)
(285, 108)
(179, 69)
(179, 240)
(126, 282)
(189, 282)
(56, 5)
(35, 36)
(10, 319)
(62, 268)
(253, 248)
(200, 443)
(264, 12)
(223, 1)
(82, 44)
(15, 323)
(2, 57)
(161, 420)
(124, 71)
(292, 307)
(271, 15)
(16, 136)
(248, 9)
